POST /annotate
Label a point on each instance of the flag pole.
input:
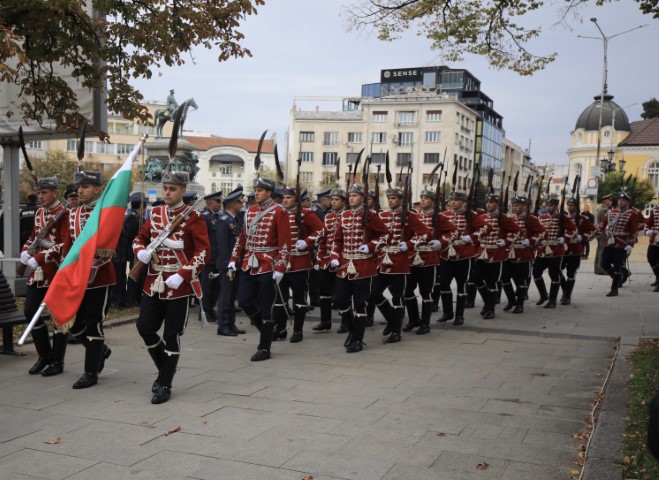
(31, 325)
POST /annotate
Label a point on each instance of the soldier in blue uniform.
(227, 229)
(210, 283)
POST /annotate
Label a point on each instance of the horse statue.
(162, 115)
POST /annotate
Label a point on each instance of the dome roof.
(590, 117)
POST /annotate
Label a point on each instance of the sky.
(302, 48)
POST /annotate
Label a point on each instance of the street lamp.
(621, 164)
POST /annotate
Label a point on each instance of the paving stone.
(224, 469)
(466, 467)
(43, 464)
(342, 466)
(531, 471)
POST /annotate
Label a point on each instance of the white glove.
(334, 263)
(501, 243)
(648, 233)
(26, 256)
(560, 241)
(316, 267)
(277, 276)
(466, 238)
(577, 238)
(363, 249)
(231, 266)
(435, 244)
(300, 245)
(526, 242)
(32, 263)
(174, 281)
(628, 249)
(402, 246)
(144, 256)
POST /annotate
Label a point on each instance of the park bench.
(9, 316)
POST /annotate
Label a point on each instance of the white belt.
(261, 249)
(356, 256)
(424, 248)
(173, 244)
(165, 268)
(295, 253)
(391, 250)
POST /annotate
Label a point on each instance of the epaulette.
(224, 216)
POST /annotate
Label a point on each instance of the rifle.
(137, 270)
(349, 176)
(527, 188)
(376, 193)
(501, 196)
(436, 207)
(472, 199)
(338, 172)
(298, 197)
(32, 249)
(575, 193)
(365, 204)
(406, 194)
(561, 218)
(536, 209)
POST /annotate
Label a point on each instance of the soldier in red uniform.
(358, 235)
(306, 230)
(522, 249)
(327, 277)
(550, 251)
(173, 276)
(424, 261)
(34, 254)
(621, 228)
(262, 249)
(88, 325)
(493, 244)
(393, 261)
(652, 232)
(584, 232)
(457, 261)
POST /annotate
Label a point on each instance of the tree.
(125, 40)
(642, 190)
(490, 28)
(650, 109)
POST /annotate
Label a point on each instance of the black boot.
(388, 313)
(426, 312)
(614, 285)
(397, 324)
(542, 290)
(484, 293)
(490, 302)
(325, 315)
(167, 372)
(93, 355)
(447, 307)
(567, 292)
(471, 295)
(44, 350)
(158, 355)
(510, 295)
(60, 340)
(347, 320)
(358, 329)
(563, 281)
(553, 295)
(298, 324)
(521, 296)
(265, 342)
(435, 295)
(279, 317)
(460, 310)
(412, 305)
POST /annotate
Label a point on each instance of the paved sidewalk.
(495, 399)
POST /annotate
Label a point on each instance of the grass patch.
(643, 384)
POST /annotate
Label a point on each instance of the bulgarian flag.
(101, 232)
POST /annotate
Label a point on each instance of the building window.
(406, 118)
(403, 159)
(401, 179)
(405, 138)
(351, 158)
(38, 145)
(124, 148)
(378, 158)
(213, 187)
(307, 137)
(379, 137)
(331, 138)
(431, 158)
(306, 177)
(433, 137)
(104, 147)
(225, 169)
(72, 145)
(430, 182)
(434, 116)
(227, 187)
(329, 158)
(355, 137)
(379, 116)
(653, 174)
(307, 157)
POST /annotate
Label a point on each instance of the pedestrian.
(591, 218)
(652, 232)
(210, 282)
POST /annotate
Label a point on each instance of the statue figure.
(172, 104)
(163, 115)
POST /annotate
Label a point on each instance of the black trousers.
(653, 259)
(551, 264)
(612, 260)
(314, 286)
(210, 289)
(90, 316)
(298, 282)
(460, 270)
(154, 312)
(487, 275)
(571, 264)
(256, 295)
(326, 282)
(395, 284)
(356, 290)
(119, 289)
(226, 313)
(519, 272)
(33, 298)
(424, 277)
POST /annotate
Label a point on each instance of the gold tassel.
(253, 262)
(512, 253)
(548, 250)
(351, 268)
(483, 256)
(158, 284)
(38, 275)
(418, 260)
(451, 251)
(386, 260)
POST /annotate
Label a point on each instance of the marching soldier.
(457, 261)
(522, 250)
(358, 234)
(393, 261)
(620, 225)
(210, 283)
(550, 251)
(173, 275)
(424, 262)
(88, 325)
(584, 231)
(305, 231)
(326, 276)
(322, 208)
(652, 232)
(492, 252)
(606, 203)
(51, 225)
(262, 249)
(227, 230)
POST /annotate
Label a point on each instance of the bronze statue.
(163, 115)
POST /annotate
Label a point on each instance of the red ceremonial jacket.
(459, 250)
(391, 259)
(531, 230)
(350, 235)
(587, 231)
(325, 242)
(312, 231)
(423, 255)
(549, 247)
(263, 244)
(621, 228)
(652, 223)
(497, 228)
(186, 250)
(55, 236)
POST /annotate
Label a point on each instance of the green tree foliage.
(641, 190)
(125, 40)
(650, 109)
(492, 28)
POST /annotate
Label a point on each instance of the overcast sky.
(301, 47)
